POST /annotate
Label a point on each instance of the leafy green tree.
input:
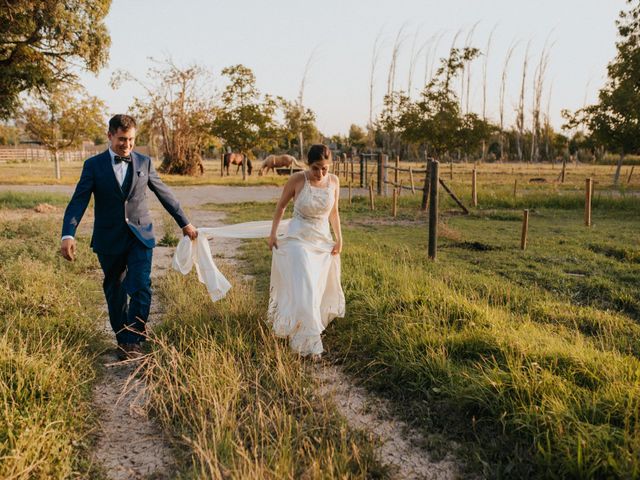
(473, 133)
(246, 119)
(63, 118)
(434, 119)
(42, 41)
(357, 137)
(614, 122)
(296, 121)
(9, 135)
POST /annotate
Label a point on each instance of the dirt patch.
(129, 444)
(399, 445)
(475, 246)
(44, 208)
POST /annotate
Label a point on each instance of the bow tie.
(118, 159)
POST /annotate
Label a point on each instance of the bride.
(305, 292)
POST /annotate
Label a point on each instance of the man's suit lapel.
(135, 166)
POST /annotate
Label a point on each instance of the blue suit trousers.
(127, 288)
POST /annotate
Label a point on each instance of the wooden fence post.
(525, 230)
(515, 188)
(395, 202)
(433, 209)
(366, 170)
(349, 193)
(474, 189)
(351, 164)
(397, 172)
(400, 188)
(413, 185)
(564, 167)
(587, 201)
(371, 201)
(381, 174)
(451, 169)
(361, 171)
(425, 187)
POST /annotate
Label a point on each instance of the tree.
(295, 121)
(9, 135)
(42, 41)
(62, 118)
(179, 111)
(245, 120)
(614, 121)
(434, 119)
(357, 137)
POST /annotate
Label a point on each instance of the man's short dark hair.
(124, 122)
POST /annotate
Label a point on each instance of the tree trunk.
(301, 146)
(616, 176)
(56, 160)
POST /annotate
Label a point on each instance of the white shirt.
(120, 171)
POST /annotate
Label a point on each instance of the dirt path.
(400, 447)
(129, 444)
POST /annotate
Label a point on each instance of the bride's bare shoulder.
(296, 179)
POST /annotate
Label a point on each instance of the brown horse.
(278, 161)
(236, 159)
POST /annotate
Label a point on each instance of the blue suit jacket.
(115, 213)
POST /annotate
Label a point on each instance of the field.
(42, 173)
(489, 174)
(528, 361)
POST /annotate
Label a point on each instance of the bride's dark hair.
(318, 153)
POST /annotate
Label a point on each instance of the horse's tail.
(249, 166)
(297, 163)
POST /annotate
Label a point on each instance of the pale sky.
(276, 39)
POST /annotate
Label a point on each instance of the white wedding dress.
(305, 292)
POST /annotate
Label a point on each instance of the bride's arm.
(334, 219)
(288, 193)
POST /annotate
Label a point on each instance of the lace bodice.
(314, 202)
(311, 210)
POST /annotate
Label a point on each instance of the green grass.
(48, 345)
(530, 360)
(13, 200)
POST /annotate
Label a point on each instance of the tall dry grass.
(240, 403)
(48, 344)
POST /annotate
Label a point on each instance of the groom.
(123, 235)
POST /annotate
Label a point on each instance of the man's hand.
(68, 249)
(190, 231)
